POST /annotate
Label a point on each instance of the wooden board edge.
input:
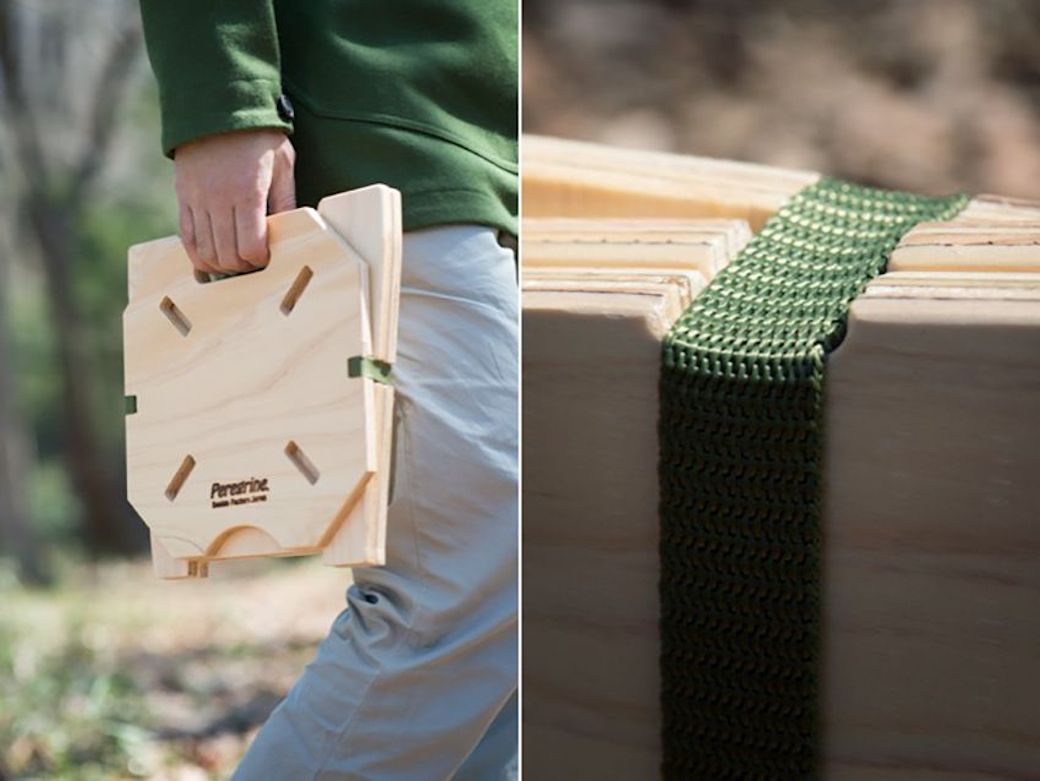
(382, 253)
(361, 538)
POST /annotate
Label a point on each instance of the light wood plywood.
(932, 523)
(573, 254)
(683, 287)
(597, 302)
(591, 364)
(932, 529)
(701, 245)
(970, 245)
(369, 220)
(575, 179)
(250, 437)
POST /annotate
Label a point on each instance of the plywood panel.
(576, 179)
(680, 287)
(970, 245)
(701, 245)
(247, 435)
(597, 302)
(932, 625)
(369, 220)
(590, 533)
(932, 528)
(932, 516)
(563, 178)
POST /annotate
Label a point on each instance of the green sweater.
(418, 94)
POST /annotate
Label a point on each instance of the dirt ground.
(119, 676)
(929, 95)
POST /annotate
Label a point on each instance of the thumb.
(282, 195)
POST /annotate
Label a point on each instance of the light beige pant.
(417, 679)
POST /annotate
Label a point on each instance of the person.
(267, 104)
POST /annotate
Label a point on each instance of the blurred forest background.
(105, 673)
(928, 95)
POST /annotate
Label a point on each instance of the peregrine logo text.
(244, 492)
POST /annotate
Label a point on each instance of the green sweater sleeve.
(217, 64)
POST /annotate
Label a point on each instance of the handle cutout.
(179, 477)
(301, 462)
(296, 290)
(205, 278)
(173, 313)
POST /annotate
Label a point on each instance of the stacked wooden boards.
(258, 423)
(931, 523)
(628, 257)
(598, 297)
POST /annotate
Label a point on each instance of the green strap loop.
(367, 366)
(741, 453)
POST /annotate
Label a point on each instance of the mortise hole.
(179, 477)
(175, 315)
(198, 569)
(301, 462)
(296, 290)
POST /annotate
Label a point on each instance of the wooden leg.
(169, 568)
(361, 538)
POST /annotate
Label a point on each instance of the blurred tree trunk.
(109, 522)
(52, 190)
(16, 535)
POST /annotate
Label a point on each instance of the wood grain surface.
(932, 509)
(249, 436)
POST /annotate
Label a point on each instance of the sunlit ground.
(115, 675)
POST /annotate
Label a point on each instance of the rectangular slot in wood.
(179, 478)
(301, 462)
(179, 320)
(296, 290)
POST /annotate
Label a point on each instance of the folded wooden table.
(259, 414)
(931, 519)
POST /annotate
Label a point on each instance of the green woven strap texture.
(741, 443)
(368, 366)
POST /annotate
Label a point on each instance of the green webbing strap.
(367, 366)
(740, 477)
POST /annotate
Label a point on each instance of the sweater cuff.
(220, 108)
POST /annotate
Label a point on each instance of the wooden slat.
(564, 178)
(597, 302)
(577, 179)
(684, 287)
(590, 532)
(932, 559)
(932, 567)
(369, 220)
(970, 245)
(704, 246)
(932, 571)
(731, 234)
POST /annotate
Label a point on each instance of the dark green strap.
(367, 366)
(740, 476)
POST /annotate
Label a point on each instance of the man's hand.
(226, 185)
